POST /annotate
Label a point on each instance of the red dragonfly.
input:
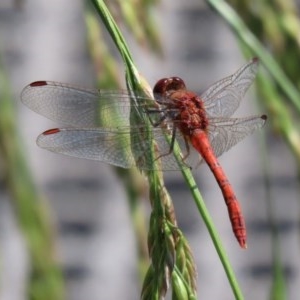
(100, 129)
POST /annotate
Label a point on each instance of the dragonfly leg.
(172, 148)
(171, 145)
(187, 147)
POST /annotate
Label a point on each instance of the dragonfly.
(97, 125)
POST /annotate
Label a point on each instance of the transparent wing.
(122, 146)
(79, 107)
(225, 133)
(119, 147)
(223, 98)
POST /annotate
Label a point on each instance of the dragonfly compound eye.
(176, 83)
(160, 86)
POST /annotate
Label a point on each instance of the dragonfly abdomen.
(201, 143)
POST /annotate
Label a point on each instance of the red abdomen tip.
(51, 131)
(38, 83)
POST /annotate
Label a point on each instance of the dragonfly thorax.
(190, 112)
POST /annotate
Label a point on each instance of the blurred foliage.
(45, 276)
(276, 25)
(137, 16)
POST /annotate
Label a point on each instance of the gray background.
(46, 40)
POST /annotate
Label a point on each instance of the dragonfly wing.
(119, 147)
(223, 98)
(79, 107)
(95, 144)
(224, 134)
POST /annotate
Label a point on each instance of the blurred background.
(62, 217)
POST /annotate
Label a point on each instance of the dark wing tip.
(264, 117)
(38, 83)
(51, 131)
